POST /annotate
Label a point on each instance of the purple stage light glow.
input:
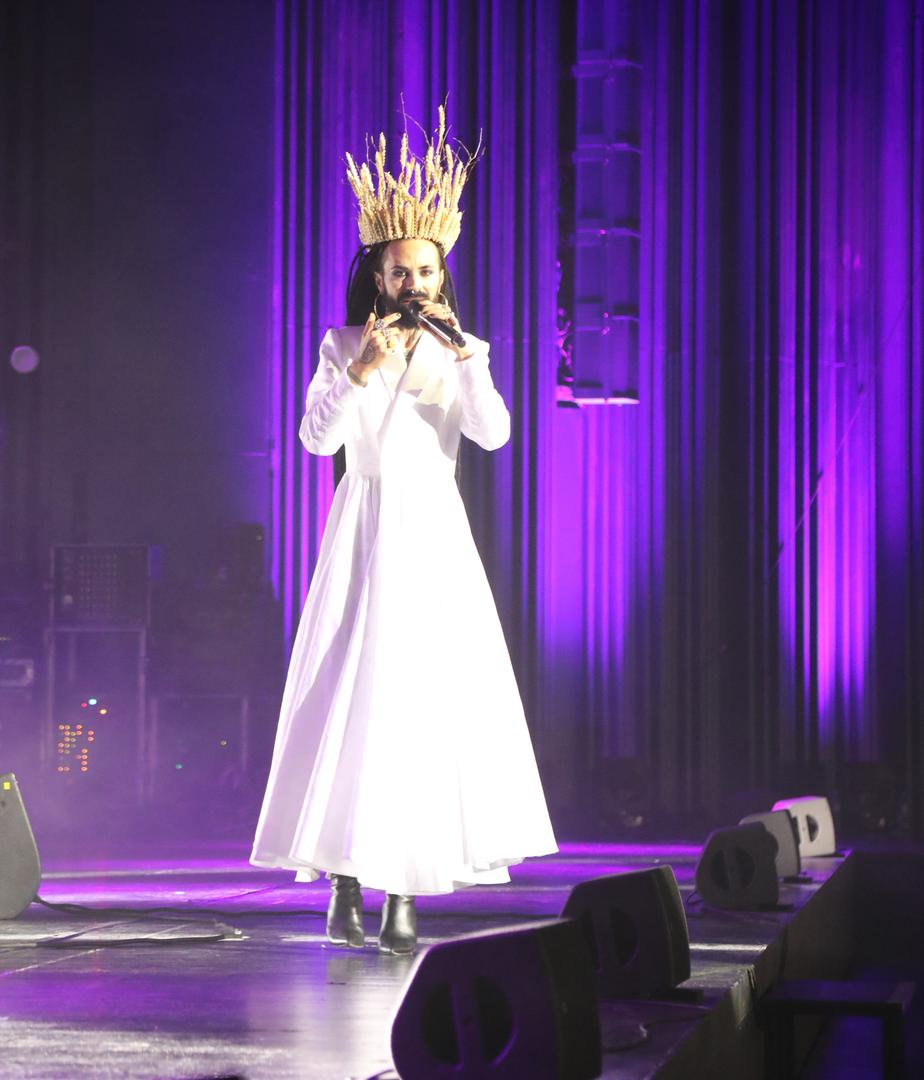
(735, 555)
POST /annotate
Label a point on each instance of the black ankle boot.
(399, 925)
(345, 912)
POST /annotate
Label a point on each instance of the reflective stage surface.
(240, 980)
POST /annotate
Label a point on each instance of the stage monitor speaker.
(737, 869)
(782, 827)
(504, 1004)
(814, 822)
(636, 930)
(20, 872)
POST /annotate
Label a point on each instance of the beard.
(407, 320)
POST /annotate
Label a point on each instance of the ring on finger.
(378, 324)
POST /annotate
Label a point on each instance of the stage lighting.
(814, 822)
(505, 1004)
(20, 872)
(24, 359)
(737, 869)
(782, 827)
(636, 930)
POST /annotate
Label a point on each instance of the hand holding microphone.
(441, 321)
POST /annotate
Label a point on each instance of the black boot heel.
(345, 912)
(399, 925)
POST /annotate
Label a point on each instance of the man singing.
(402, 760)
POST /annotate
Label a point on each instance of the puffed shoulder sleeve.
(330, 409)
(485, 419)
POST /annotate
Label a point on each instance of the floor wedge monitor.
(782, 827)
(636, 931)
(20, 872)
(737, 869)
(504, 1004)
(815, 823)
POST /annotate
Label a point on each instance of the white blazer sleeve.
(485, 419)
(330, 409)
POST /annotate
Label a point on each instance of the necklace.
(409, 349)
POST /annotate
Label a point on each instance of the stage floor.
(124, 995)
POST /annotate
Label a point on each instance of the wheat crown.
(422, 201)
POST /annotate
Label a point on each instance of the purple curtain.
(724, 584)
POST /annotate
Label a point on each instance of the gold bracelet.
(353, 377)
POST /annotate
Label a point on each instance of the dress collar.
(424, 376)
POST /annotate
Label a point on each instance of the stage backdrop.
(717, 594)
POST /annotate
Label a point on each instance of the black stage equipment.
(737, 869)
(101, 586)
(814, 822)
(20, 872)
(636, 930)
(18, 674)
(782, 827)
(501, 1004)
(198, 754)
(869, 798)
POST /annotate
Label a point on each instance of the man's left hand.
(435, 310)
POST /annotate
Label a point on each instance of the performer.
(403, 761)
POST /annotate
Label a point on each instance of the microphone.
(442, 329)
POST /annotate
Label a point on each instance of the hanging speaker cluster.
(741, 867)
(525, 1002)
(20, 871)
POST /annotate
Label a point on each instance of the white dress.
(402, 755)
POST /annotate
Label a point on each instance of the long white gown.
(402, 755)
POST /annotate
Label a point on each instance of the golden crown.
(422, 202)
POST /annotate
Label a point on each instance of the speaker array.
(525, 1002)
(741, 867)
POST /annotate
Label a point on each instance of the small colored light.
(7, 786)
(224, 742)
(83, 704)
(104, 712)
(93, 701)
(178, 766)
